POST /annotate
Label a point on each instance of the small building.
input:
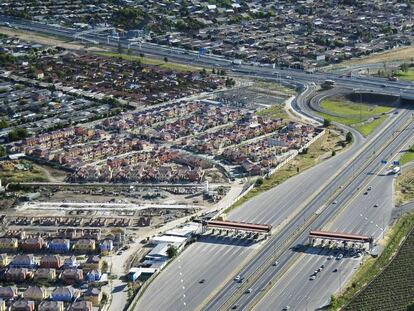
(94, 295)
(92, 263)
(106, 247)
(51, 306)
(70, 262)
(33, 244)
(93, 276)
(66, 294)
(85, 245)
(23, 261)
(159, 252)
(59, 245)
(18, 274)
(47, 274)
(8, 292)
(81, 306)
(51, 261)
(36, 293)
(10, 244)
(23, 305)
(4, 260)
(72, 276)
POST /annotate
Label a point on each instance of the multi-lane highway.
(294, 207)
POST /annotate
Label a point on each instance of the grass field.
(326, 144)
(404, 187)
(407, 156)
(354, 114)
(393, 289)
(152, 61)
(15, 175)
(274, 112)
(408, 76)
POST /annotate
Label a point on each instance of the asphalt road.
(345, 195)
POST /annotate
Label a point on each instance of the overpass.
(344, 238)
(237, 226)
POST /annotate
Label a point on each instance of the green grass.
(326, 143)
(379, 284)
(404, 187)
(152, 61)
(367, 128)
(275, 112)
(408, 75)
(407, 156)
(353, 110)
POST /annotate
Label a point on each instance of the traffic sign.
(384, 161)
(396, 163)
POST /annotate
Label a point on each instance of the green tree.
(4, 123)
(259, 182)
(172, 251)
(166, 59)
(2, 151)
(349, 137)
(333, 153)
(18, 134)
(326, 122)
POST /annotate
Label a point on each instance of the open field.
(408, 156)
(344, 107)
(398, 54)
(408, 75)
(152, 61)
(359, 116)
(274, 112)
(318, 151)
(404, 187)
(393, 288)
(25, 172)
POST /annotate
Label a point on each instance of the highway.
(286, 207)
(321, 217)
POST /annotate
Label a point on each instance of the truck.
(237, 62)
(328, 84)
(395, 170)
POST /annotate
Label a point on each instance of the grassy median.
(373, 273)
(407, 75)
(404, 187)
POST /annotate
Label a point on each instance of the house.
(9, 244)
(36, 293)
(4, 260)
(93, 276)
(84, 245)
(51, 261)
(59, 245)
(8, 292)
(51, 306)
(94, 295)
(18, 274)
(33, 244)
(23, 305)
(92, 263)
(81, 306)
(72, 276)
(23, 261)
(66, 294)
(48, 274)
(70, 262)
(106, 246)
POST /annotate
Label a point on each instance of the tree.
(349, 137)
(18, 134)
(2, 151)
(172, 251)
(326, 122)
(333, 153)
(166, 59)
(259, 182)
(3, 124)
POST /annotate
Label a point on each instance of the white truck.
(237, 62)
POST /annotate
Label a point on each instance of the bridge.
(237, 226)
(321, 237)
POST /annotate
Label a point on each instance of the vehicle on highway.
(335, 270)
(248, 291)
(330, 257)
(375, 205)
(328, 84)
(335, 202)
(289, 77)
(202, 281)
(286, 308)
(276, 263)
(395, 170)
(235, 307)
(340, 256)
(366, 192)
(312, 277)
(237, 278)
(322, 266)
(369, 188)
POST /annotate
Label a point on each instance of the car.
(366, 192)
(369, 188)
(330, 257)
(276, 263)
(335, 270)
(235, 307)
(312, 278)
(248, 291)
(375, 205)
(340, 256)
(323, 266)
(395, 112)
(201, 281)
(289, 77)
(335, 202)
(319, 269)
(286, 308)
(237, 278)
